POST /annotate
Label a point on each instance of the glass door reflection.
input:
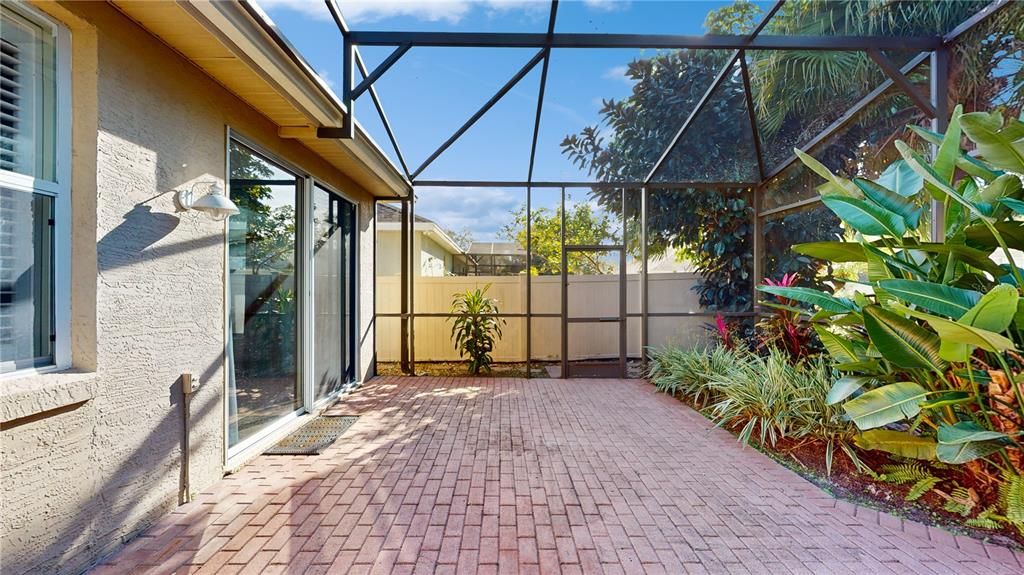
(334, 333)
(263, 305)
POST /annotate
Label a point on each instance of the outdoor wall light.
(217, 205)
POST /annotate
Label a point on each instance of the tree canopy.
(796, 94)
(584, 224)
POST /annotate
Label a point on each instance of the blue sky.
(430, 92)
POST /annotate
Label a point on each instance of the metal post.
(644, 341)
(404, 282)
(414, 264)
(623, 300)
(940, 100)
(348, 125)
(529, 273)
(757, 247)
(565, 294)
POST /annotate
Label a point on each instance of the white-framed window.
(34, 190)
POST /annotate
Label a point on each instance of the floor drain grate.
(314, 437)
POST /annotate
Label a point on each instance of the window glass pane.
(263, 302)
(333, 276)
(26, 280)
(27, 95)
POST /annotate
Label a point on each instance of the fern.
(987, 519)
(1011, 497)
(960, 501)
(921, 487)
(904, 473)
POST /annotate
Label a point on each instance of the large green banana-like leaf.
(899, 262)
(886, 404)
(891, 201)
(901, 178)
(901, 341)
(841, 349)
(964, 452)
(945, 159)
(878, 268)
(863, 366)
(1005, 187)
(1003, 147)
(995, 310)
(947, 398)
(958, 338)
(1016, 205)
(966, 441)
(934, 179)
(845, 387)
(969, 165)
(972, 256)
(836, 184)
(865, 217)
(832, 251)
(812, 296)
(897, 442)
(1011, 232)
(938, 298)
(967, 432)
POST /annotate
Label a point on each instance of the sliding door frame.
(305, 310)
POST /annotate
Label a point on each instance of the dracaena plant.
(476, 327)
(928, 345)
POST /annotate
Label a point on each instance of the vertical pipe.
(529, 274)
(404, 285)
(940, 99)
(565, 292)
(644, 342)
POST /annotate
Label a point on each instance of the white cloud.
(606, 5)
(483, 211)
(617, 73)
(326, 78)
(368, 11)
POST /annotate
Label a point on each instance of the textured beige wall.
(148, 299)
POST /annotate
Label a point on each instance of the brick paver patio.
(517, 476)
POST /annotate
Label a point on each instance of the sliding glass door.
(334, 334)
(291, 295)
(264, 384)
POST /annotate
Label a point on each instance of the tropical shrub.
(930, 342)
(476, 327)
(782, 329)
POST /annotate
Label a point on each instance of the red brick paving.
(534, 476)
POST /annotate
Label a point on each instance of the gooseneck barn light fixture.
(217, 205)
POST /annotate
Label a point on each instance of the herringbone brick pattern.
(533, 476)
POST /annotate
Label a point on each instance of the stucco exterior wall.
(147, 301)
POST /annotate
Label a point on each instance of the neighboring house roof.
(389, 218)
(238, 45)
(387, 213)
(496, 248)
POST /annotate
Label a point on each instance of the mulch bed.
(807, 458)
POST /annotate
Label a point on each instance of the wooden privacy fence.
(589, 296)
